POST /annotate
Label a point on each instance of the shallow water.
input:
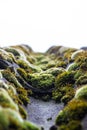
(43, 113)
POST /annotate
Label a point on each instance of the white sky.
(42, 23)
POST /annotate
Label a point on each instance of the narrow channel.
(43, 113)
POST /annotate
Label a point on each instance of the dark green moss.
(64, 79)
(82, 80)
(64, 94)
(72, 125)
(13, 51)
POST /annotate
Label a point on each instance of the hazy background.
(42, 23)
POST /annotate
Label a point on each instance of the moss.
(11, 78)
(76, 54)
(81, 93)
(22, 73)
(23, 95)
(64, 79)
(14, 119)
(30, 126)
(68, 53)
(11, 120)
(64, 94)
(23, 64)
(73, 67)
(13, 51)
(62, 64)
(57, 95)
(29, 68)
(77, 74)
(54, 71)
(22, 112)
(72, 125)
(50, 64)
(6, 101)
(75, 110)
(41, 80)
(31, 59)
(82, 80)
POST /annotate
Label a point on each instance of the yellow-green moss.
(64, 79)
(13, 51)
(81, 93)
(75, 110)
(41, 80)
(6, 101)
(63, 94)
(9, 76)
(72, 125)
(22, 73)
(23, 95)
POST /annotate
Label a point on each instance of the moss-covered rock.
(13, 51)
(10, 77)
(64, 94)
(41, 80)
(72, 125)
(75, 110)
(6, 100)
(64, 79)
(82, 80)
(81, 92)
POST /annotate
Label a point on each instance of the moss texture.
(62, 71)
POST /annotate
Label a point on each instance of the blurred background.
(43, 23)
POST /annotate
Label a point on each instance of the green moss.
(41, 80)
(22, 73)
(64, 94)
(82, 80)
(68, 53)
(6, 101)
(11, 120)
(22, 112)
(62, 64)
(30, 126)
(54, 71)
(28, 67)
(77, 74)
(23, 64)
(23, 95)
(81, 93)
(10, 77)
(75, 110)
(31, 59)
(72, 125)
(73, 67)
(13, 51)
(64, 79)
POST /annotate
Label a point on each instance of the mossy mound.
(59, 74)
(41, 80)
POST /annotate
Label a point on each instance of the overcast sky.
(43, 23)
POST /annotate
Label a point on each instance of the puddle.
(43, 113)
